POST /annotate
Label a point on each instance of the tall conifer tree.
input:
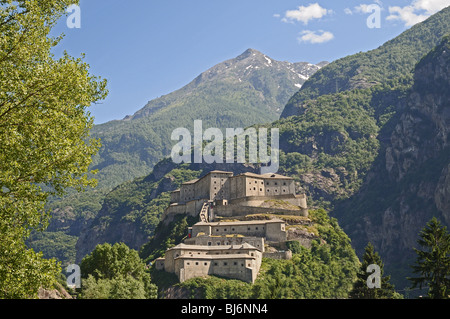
(361, 289)
(433, 262)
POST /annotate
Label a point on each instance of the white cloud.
(315, 36)
(379, 2)
(362, 8)
(276, 15)
(431, 6)
(417, 12)
(305, 14)
(348, 11)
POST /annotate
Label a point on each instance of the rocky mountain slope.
(409, 182)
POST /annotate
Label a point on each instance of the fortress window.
(215, 264)
(188, 264)
(232, 229)
(256, 228)
(284, 183)
(235, 263)
(225, 263)
(248, 228)
(224, 229)
(260, 189)
(209, 243)
(251, 254)
(206, 264)
(254, 188)
(242, 265)
(196, 263)
(284, 191)
(276, 183)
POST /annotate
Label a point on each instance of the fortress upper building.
(229, 195)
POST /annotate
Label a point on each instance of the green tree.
(433, 262)
(116, 272)
(44, 135)
(361, 290)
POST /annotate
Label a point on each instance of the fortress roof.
(190, 182)
(221, 247)
(245, 222)
(215, 257)
(219, 172)
(265, 176)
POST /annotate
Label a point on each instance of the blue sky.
(148, 48)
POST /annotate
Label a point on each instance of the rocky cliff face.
(410, 182)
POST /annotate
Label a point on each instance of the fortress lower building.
(233, 261)
(232, 249)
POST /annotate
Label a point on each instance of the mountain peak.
(248, 53)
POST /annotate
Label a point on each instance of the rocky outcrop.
(58, 293)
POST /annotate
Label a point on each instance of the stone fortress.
(231, 249)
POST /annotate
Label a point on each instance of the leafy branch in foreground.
(45, 146)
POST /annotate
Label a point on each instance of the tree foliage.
(433, 261)
(115, 272)
(44, 134)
